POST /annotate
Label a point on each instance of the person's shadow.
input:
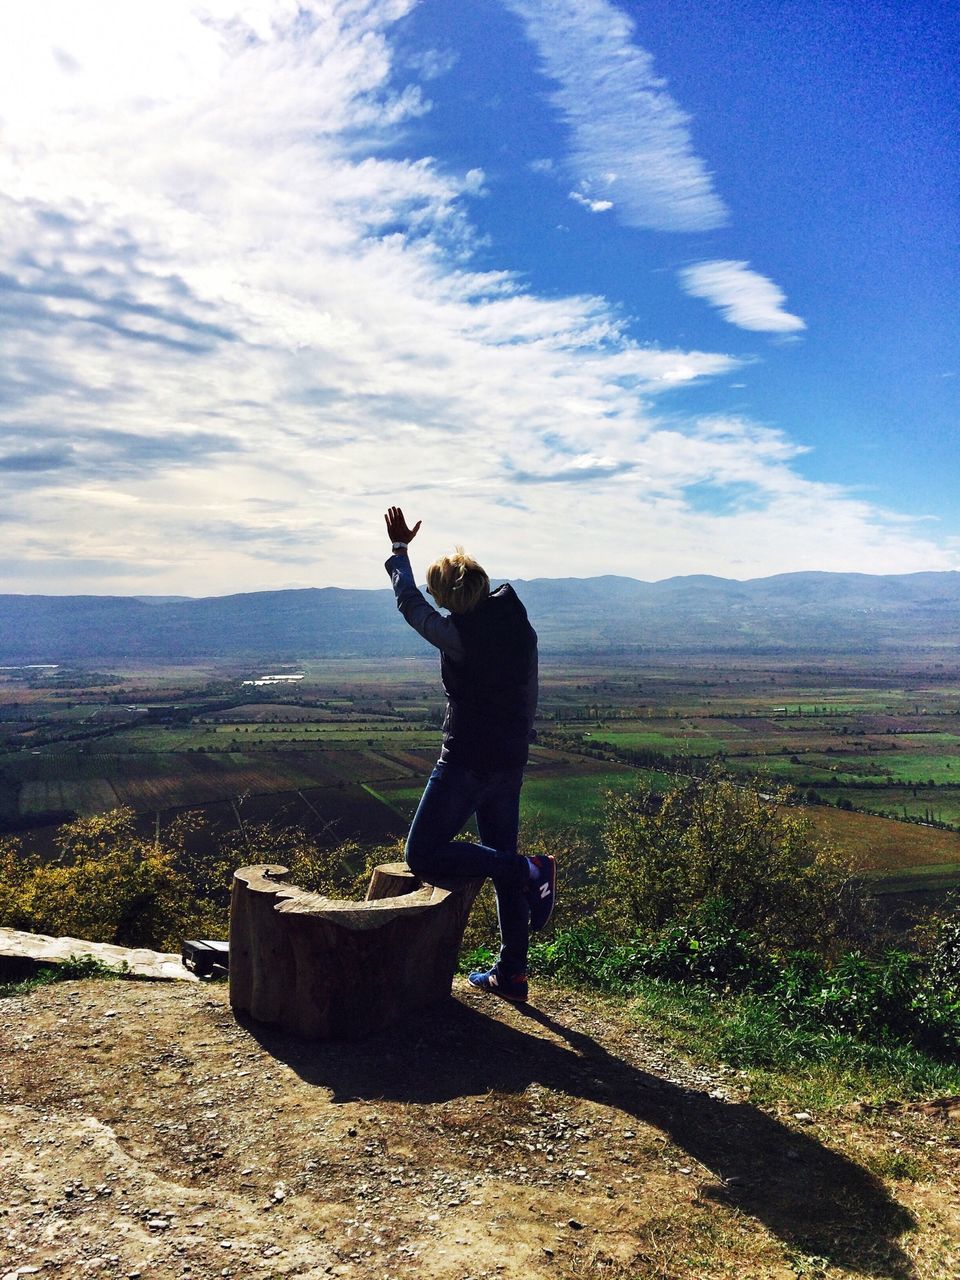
(814, 1199)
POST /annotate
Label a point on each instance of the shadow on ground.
(814, 1199)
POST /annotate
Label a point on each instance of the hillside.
(788, 613)
(145, 1133)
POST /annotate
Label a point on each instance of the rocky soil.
(145, 1132)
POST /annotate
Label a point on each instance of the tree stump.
(335, 970)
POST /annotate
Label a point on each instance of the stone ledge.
(22, 954)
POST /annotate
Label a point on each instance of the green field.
(347, 750)
(559, 799)
(688, 741)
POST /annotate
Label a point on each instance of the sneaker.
(497, 984)
(542, 892)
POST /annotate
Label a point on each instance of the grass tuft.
(76, 968)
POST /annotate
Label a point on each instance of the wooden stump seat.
(336, 970)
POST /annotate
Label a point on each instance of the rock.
(23, 954)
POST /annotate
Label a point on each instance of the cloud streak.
(630, 141)
(744, 297)
(240, 322)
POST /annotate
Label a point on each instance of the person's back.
(491, 690)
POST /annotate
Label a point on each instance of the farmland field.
(345, 751)
(554, 794)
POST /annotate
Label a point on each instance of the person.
(488, 668)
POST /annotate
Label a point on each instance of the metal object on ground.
(207, 958)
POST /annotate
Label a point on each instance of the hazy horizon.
(596, 577)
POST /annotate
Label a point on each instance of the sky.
(640, 287)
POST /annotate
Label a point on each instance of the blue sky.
(590, 287)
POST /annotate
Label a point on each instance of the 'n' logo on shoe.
(544, 891)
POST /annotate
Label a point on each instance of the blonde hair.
(457, 582)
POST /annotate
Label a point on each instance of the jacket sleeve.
(439, 631)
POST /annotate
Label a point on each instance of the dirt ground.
(145, 1132)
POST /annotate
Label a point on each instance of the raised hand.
(397, 526)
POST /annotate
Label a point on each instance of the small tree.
(715, 838)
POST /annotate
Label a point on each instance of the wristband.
(398, 546)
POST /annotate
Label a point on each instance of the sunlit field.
(346, 750)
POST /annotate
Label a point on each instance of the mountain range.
(810, 612)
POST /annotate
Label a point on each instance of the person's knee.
(417, 854)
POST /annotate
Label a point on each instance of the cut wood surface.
(330, 969)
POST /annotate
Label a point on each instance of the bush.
(945, 953)
(707, 947)
(340, 871)
(109, 884)
(785, 1008)
(714, 838)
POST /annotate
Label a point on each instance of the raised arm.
(418, 612)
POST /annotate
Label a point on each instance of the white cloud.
(744, 297)
(630, 141)
(235, 331)
(595, 206)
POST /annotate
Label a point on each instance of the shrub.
(706, 946)
(714, 838)
(575, 856)
(339, 871)
(109, 884)
(945, 953)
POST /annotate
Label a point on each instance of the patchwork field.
(345, 751)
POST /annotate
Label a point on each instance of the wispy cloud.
(744, 297)
(239, 324)
(630, 141)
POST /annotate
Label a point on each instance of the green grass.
(77, 967)
(943, 804)
(809, 1071)
(941, 878)
(391, 803)
(921, 765)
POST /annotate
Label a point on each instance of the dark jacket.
(486, 726)
(488, 664)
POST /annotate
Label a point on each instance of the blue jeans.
(452, 794)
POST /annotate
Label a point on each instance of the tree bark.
(340, 970)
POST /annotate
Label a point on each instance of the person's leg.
(450, 797)
(498, 822)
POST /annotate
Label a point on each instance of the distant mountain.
(791, 612)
